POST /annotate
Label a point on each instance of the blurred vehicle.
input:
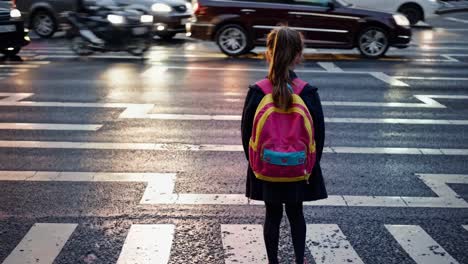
(44, 16)
(13, 35)
(108, 27)
(238, 26)
(414, 10)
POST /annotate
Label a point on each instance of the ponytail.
(283, 46)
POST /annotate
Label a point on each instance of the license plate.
(7, 28)
(184, 21)
(139, 31)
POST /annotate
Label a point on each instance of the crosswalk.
(103, 148)
(242, 244)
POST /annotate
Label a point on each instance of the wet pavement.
(117, 159)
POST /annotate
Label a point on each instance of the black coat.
(285, 192)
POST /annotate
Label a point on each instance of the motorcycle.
(110, 28)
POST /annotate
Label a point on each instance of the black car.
(13, 35)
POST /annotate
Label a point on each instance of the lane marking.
(432, 78)
(217, 148)
(147, 244)
(390, 80)
(42, 244)
(243, 244)
(142, 110)
(330, 66)
(419, 245)
(157, 183)
(44, 126)
(456, 20)
(329, 245)
(161, 186)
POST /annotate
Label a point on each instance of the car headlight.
(401, 20)
(15, 13)
(116, 19)
(189, 6)
(146, 19)
(161, 8)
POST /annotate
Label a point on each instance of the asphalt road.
(72, 192)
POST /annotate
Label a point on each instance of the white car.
(414, 10)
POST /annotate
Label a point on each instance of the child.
(284, 52)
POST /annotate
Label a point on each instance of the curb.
(451, 10)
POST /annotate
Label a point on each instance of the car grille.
(4, 16)
(180, 8)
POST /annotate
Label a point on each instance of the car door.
(265, 15)
(321, 25)
(379, 5)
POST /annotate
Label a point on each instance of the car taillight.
(199, 9)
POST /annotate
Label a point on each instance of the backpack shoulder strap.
(267, 87)
(299, 85)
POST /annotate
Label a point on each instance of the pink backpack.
(282, 145)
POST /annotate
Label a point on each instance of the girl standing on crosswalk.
(283, 135)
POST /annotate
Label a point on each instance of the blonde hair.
(283, 47)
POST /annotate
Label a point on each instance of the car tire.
(43, 23)
(373, 42)
(233, 40)
(413, 13)
(13, 52)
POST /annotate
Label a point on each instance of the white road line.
(20, 66)
(157, 183)
(217, 148)
(330, 66)
(466, 227)
(147, 244)
(14, 97)
(161, 186)
(457, 20)
(42, 244)
(329, 245)
(401, 121)
(243, 244)
(44, 126)
(3, 74)
(142, 110)
(419, 245)
(390, 80)
(428, 78)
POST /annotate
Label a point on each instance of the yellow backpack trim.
(281, 179)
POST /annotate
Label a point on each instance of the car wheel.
(373, 42)
(413, 13)
(44, 24)
(12, 52)
(233, 40)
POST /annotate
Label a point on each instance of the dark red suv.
(238, 26)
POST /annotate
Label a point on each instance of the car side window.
(320, 3)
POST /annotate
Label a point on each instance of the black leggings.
(271, 229)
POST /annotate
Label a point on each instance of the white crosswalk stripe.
(42, 244)
(147, 244)
(329, 245)
(242, 244)
(419, 245)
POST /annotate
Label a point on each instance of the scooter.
(110, 28)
